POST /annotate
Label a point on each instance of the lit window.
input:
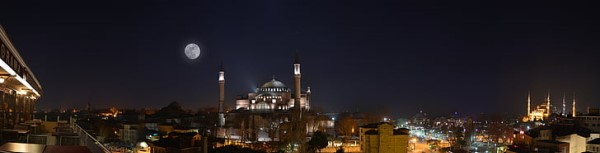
(263, 106)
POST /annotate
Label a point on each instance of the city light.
(397, 77)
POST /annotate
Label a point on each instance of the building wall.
(286, 101)
(371, 144)
(545, 135)
(593, 147)
(557, 147)
(242, 103)
(385, 141)
(129, 133)
(577, 144)
(523, 139)
(363, 137)
(590, 122)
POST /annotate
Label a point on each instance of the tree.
(317, 142)
(341, 150)
(456, 137)
(345, 125)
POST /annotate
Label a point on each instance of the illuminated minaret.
(528, 103)
(221, 96)
(574, 110)
(298, 128)
(548, 104)
(564, 105)
(308, 96)
(297, 84)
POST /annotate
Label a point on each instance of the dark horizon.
(400, 57)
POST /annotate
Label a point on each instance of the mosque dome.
(420, 115)
(273, 84)
(267, 94)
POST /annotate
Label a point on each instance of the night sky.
(395, 57)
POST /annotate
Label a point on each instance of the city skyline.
(402, 56)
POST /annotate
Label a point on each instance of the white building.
(594, 145)
(577, 143)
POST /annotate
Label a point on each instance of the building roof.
(18, 69)
(420, 115)
(374, 129)
(551, 141)
(595, 141)
(560, 130)
(273, 84)
(374, 125)
(401, 131)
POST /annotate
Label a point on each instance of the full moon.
(192, 51)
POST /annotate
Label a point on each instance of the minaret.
(221, 96)
(564, 105)
(308, 98)
(528, 103)
(298, 127)
(574, 110)
(297, 84)
(548, 104)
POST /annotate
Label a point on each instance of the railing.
(88, 140)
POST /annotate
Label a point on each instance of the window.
(263, 106)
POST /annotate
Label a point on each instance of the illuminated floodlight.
(143, 144)
(21, 92)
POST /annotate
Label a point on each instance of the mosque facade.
(273, 112)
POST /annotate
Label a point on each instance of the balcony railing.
(88, 140)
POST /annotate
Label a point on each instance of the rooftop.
(595, 141)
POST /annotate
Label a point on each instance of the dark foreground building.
(19, 87)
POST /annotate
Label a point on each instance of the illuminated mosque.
(270, 113)
(271, 96)
(543, 111)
